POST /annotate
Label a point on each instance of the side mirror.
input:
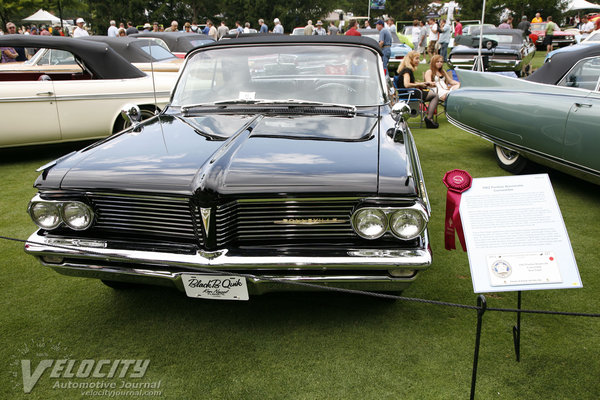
(131, 113)
(401, 110)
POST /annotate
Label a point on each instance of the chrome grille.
(168, 217)
(265, 220)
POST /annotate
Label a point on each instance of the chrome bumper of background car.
(360, 269)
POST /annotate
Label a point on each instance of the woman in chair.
(406, 80)
(439, 78)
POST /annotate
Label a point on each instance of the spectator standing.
(549, 37)
(80, 31)
(247, 27)
(524, 25)
(319, 30)
(112, 29)
(352, 28)
(130, 28)
(385, 42)
(147, 27)
(121, 32)
(309, 28)
(212, 31)
(587, 27)
(238, 27)
(44, 31)
(155, 27)
(444, 38)
(422, 41)
(457, 28)
(367, 24)
(222, 30)
(406, 80)
(391, 25)
(173, 28)
(504, 24)
(538, 19)
(332, 30)
(187, 27)
(278, 28)
(416, 31)
(263, 27)
(433, 37)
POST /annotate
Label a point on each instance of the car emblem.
(205, 214)
(309, 221)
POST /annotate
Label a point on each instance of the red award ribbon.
(457, 181)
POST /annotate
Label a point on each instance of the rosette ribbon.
(457, 181)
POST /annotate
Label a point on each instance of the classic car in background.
(502, 50)
(49, 105)
(559, 37)
(556, 126)
(143, 54)
(146, 54)
(178, 43)
(279, 158)
(561, 69)
(398, 49)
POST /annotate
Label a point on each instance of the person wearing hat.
(319, 30)
(147, 27)
(385, 42)
(80, 31)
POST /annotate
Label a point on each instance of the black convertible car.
(502, 50)
(279, 161)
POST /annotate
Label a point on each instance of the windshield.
(326, 74)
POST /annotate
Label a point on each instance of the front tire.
(510, 160)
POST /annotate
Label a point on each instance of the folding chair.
(412, 97)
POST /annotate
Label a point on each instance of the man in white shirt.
(587, 27)
(79, 31)
(113, 31)
(391, 25)
(433, 36)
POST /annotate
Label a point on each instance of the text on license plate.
(217, 287)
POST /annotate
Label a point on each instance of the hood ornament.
(205, 215)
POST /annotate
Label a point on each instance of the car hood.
(229, 154)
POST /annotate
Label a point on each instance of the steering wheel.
(336, 86)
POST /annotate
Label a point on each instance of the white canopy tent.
(43, 16)
(576, 5)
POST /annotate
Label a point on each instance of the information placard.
(516, 237)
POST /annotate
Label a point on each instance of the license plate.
(216, 287)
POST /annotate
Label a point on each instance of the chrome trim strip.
(421, 258)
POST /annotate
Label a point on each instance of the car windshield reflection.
(323, 74)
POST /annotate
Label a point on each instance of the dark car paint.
(241, 155)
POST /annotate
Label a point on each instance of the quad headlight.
(77, 215)
(45, 215)
(404, 223)
(408, 223)
(51, 214)
(370, 223)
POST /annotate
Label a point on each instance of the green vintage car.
(553, 125)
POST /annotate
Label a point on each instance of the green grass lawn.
(309, 346)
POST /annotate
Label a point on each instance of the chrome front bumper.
(359, 269)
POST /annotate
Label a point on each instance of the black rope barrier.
(343, 290)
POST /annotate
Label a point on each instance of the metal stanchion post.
(481, 303)
(517, 330)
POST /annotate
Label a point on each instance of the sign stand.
(517, 329)
(482, 305)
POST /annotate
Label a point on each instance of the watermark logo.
(46, 360)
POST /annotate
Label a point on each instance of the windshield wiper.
(261, 102)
